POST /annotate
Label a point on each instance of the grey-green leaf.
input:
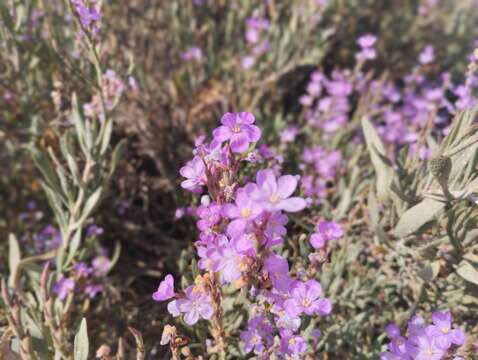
(81, 342)
(468, 272)
(417, 216)
(377, 154)
(13, 258)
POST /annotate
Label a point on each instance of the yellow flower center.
(274, 198)
(306, 302)
(245, 212)
(445, 330)
(236, 129)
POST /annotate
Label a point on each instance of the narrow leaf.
(81, 344)
(417, 216)
(14, 257)
(468, 272)
(377, 155)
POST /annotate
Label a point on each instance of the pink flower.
(275, 224)
(192, 53)
(165, 290)
(442, 329)
(326, 231)
(305, 298)
(243, 211)
(278, 270)
(248, 61)
(367, 41)
(427, 55)
(229, 262)
(274, 194)
(63, 287)
(238, 129)
(195, 173)
(195, 305)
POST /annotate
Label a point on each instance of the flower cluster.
(403, 109)
(422, 341)
(255, 28)
(86, 279)
(327, 104)
(242, 226)
(367, 47)
(192, 53)
(320, 168)
(89, 15)
(112, 89)
(326, 231)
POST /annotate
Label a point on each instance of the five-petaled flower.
(274, 194)
(238, 129)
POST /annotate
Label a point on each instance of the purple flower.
(247, 61)
(258, 335)
(278, 270)
(274, 194)
(229, 261)
(445, 336)
(275, 228)
(289, 134)
(326, 231)
(63, 287)
(195, 173)
(90, 18)
(165, 290)
(173, 308)
(209, 215)
(195, 305)
(291, 344)
(192, 53)
(423, 342)
(238, 129)
(93, 289)
(427, 55)
(427, 348)
(252, 35)
(243, 211)
(101, 265)
(305, 298)
(82, 270)
(94, 230)
(367, 41)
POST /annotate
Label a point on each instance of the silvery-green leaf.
(105, 137)
(79, 124)
(14, 257)
(73, 166)
(377, 154)
(33, 328)
(116, 255)
(417, 216)
(430, 271)
(116, 155)
(468, 272)
(81, 344)
(46, 169)
(55, 201)
(73, 246)
(90, 204)
(372, 209)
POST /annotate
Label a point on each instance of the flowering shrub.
(242, 225)
(424, 341)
